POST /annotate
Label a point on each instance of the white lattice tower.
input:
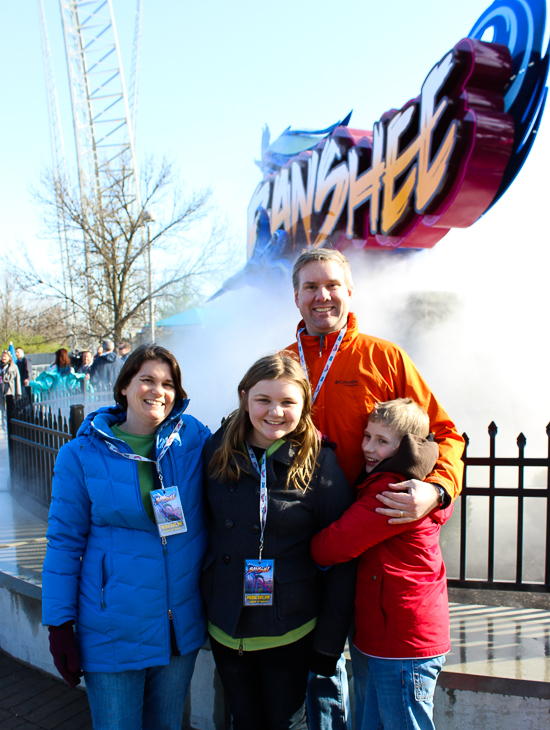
(101, 114)
(59, 163)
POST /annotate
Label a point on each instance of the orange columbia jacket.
(365, 371)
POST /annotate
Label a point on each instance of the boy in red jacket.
(401, 605)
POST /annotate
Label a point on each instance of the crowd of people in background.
(71, 372)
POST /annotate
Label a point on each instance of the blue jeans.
(394, 694)
(328, 705)
(144, 699)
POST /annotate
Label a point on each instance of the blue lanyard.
(263, 493)
(327, 364)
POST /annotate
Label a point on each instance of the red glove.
(64, 651)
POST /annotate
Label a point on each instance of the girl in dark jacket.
(273, 615)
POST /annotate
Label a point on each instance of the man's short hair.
(402, 415)
(321, 254)
(22, 350)
(108, 345)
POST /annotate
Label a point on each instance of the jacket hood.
(415, 458)
(104, 418)
(110, 356)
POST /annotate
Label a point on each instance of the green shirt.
(142, 445)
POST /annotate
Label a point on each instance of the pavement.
(30, 700)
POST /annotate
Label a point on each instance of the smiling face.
(379, 443)
(150, 395)
(4, 358)
(275, 408)
(87, 358)
(323, 297)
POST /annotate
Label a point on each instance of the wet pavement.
(30, 700)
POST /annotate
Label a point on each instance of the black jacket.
(301, 590)
(24, 370)
(104, 371)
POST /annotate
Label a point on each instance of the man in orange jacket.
(349, 372)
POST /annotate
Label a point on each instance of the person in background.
(123, 351)
(87, 361)
(270, 487)
(106, 367)
(10, 385)
(402, 626)
(130, 583)
(59, 376)
(349, 372)
(99, 352)
(24, 365)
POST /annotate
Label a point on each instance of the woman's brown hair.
(229, 458)
(132, 366)
(62, 359)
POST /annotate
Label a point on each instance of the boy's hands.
(411, 501)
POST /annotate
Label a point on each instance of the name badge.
(258, 582)
(168, 511)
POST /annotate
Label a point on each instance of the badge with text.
(258, 582)
(168, 511)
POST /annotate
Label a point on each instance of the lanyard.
(137, 457)
(263, 493)
(328, 362)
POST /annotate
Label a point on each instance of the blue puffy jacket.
(106, 566)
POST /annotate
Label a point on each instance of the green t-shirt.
(142, 445)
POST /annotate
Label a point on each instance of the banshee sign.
(437, 163)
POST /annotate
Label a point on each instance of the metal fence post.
(76, 419)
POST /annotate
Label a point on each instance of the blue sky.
(213, 73)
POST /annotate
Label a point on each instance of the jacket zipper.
(241, 652)
(321, 345)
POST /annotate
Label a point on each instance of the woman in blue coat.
(126, 576)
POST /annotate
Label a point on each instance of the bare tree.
(25, 321)
(105, 289)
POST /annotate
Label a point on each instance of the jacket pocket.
(297, 588)
(102, 580)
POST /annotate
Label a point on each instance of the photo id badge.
(168, 511)
(258, 582)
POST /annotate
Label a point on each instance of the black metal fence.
(36, 432)
(36, 435)
(495, 492)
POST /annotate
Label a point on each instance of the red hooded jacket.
(401, 605)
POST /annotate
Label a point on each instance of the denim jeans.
(328, 705)
(144, 699)
(265, 688)
(397, 694)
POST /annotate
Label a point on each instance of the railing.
(494, 492)
(36, 432)
(61, 399)
(35, 438)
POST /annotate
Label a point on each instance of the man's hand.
(411, 501)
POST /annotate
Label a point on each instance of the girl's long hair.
(229, 458)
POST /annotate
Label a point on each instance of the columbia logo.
(346, 382)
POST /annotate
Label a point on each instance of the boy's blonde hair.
(402, 415)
